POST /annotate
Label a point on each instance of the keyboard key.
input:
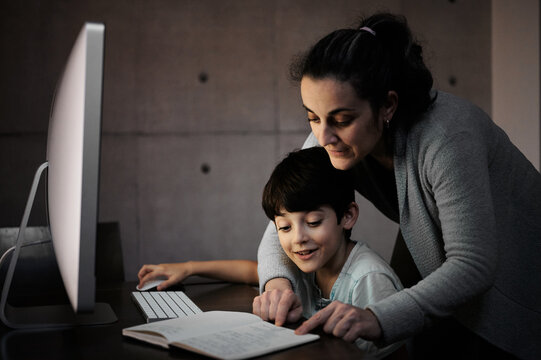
(143, 305)
(186, 300)
(161, 305)
(154, 305)
(169, 299)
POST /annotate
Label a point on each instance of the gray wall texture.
(197, 108)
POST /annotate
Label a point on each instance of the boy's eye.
(314, 223)
(284, 228)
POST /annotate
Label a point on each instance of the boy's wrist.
(190, 268)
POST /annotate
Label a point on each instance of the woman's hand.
(173, 274)
(278, 303)
(344, 321)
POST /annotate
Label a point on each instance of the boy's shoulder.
(363, 261)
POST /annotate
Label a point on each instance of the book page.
(190, 326)
(245, 341)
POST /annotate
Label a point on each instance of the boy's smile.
(305, 254)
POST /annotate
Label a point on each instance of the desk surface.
(107, 342)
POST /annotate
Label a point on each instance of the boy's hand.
(344, 321)
(280, 305)
(174, 273)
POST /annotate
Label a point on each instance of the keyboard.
(162, 305)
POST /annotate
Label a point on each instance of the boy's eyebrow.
(332, 112)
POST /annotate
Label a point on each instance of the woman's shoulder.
(448, 117)
(450, 113)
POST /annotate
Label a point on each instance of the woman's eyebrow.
(332, 112)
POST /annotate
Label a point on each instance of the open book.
(219, 334)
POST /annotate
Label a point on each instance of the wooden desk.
(107, 342)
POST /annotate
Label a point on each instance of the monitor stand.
(49, 316)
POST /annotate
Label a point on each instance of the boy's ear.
(350, 216)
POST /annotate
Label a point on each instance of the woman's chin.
(342, 163)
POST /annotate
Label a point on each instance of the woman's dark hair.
(375, 60)
(306, 180)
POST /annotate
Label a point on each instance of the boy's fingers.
(142, 271)
(145, 271)
(164, 285)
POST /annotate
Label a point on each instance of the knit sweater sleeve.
(449, 217)
(271, 259)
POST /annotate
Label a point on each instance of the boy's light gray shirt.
(364, 279)
(470, 214)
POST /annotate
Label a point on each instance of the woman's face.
(343, 123)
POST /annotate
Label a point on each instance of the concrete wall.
(515, 73)
(197, 108)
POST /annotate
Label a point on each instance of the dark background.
(197, 108)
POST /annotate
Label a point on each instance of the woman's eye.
(343, 122)
(313, 120)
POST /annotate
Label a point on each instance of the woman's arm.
(273, 263)
(277, 301)
(277, 275)
(461, 265)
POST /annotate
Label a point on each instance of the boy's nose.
(300, 236)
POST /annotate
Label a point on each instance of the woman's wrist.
(278, 283)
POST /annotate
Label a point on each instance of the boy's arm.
(241, 271)
(244, 271)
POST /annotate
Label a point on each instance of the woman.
(467, 201)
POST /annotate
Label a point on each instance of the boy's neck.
(327, 275)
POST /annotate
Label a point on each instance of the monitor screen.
(73, 151)
(73, 157)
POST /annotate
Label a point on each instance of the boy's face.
(314, 240)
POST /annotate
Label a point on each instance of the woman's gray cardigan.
(470, 214)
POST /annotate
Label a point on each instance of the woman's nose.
(326, 135)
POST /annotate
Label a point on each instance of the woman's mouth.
(337, 153)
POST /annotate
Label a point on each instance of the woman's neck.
(327, 275)
(381, 154)
(385, 161)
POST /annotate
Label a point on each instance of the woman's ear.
(389, 107)
(350, 216)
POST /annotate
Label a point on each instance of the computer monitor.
(73, 156)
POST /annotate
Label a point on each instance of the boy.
(313, 207)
